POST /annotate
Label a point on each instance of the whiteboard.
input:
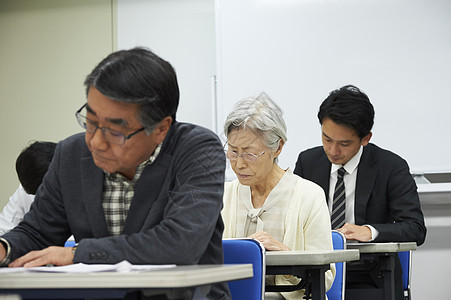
(181, 32)
(397, 52)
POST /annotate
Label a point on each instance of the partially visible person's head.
(346, 118)
(132, 98)
(256, 133)
(32, 164)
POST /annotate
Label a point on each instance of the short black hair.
(32, 164)
(348, 106)
(138, 76)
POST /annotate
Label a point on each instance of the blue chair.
(406, 264)
(245, 251)
(337, 291)
(69, 243)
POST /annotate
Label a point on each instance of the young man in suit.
(376, 197)
(137, 185)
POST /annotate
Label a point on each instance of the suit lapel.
(147, 191)
(92, 183)
(321, 174)
(366, 177)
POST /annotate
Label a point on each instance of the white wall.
(183, 33)
(47, 47)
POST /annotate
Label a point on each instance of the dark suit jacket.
(385, 197)
(174, 217)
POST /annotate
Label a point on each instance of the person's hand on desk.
(58, 256)
(269, 242)
(356, 232)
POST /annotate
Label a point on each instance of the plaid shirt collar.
(138, 171)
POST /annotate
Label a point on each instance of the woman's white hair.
(262, 116)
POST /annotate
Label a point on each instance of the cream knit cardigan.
(307, 223)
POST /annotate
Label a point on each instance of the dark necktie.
(339, 203)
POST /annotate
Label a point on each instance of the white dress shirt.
(350, 180)
(18, 205)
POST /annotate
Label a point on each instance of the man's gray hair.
(262, 116)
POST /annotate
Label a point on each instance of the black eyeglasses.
(112, 136)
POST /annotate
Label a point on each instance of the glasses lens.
(113, 136)
(81, 120)
(85, 123)
(249, 157)
(231, 155)
(90, 126)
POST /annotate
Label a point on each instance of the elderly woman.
(281, 210)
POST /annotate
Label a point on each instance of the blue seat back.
(70, 243)
(336, 292)
(404, 257)
(245, 251)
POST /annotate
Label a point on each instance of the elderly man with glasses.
(137, 185)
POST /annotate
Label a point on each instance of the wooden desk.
(384, 254)
(177, 282)
(309, 265)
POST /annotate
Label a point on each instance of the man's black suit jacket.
(385, 196)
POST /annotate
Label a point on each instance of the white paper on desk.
(123, 266)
